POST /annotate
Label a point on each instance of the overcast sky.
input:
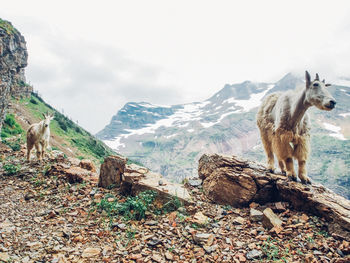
(91, 57)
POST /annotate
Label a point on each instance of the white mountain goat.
(284, 125)
(38, 135)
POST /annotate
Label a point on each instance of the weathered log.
(237, 182)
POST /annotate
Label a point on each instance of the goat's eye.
(315, 84)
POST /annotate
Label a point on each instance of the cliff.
(13, 60)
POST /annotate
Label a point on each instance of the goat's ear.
(307, 79)
(317, 77)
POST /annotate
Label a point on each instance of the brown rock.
(237, 182)
(255, 215)
(270, 219)
(91, 252)
(71, 174)
(76, 174)
(225, 180)
(111, 171)
(88, 165)
(200, 219)
(138, 179)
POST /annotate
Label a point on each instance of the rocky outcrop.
(111, 171)
(70, 173)
(13, 59)
(234, 181)
(134, 179)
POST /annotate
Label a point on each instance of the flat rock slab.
(139, 182)
(238, 182)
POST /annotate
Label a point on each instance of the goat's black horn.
(317, 77)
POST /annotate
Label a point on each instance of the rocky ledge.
(237, 182)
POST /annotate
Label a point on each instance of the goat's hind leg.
(290, 168)
(29, 149)
(269, 153)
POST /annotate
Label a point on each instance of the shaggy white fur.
(285, 126)
(38, 135)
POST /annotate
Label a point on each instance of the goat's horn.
(317, 77)
(324, 81)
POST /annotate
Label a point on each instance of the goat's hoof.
(307, 181)
(271, 170)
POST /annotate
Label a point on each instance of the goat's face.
(47, 120)
(318, 95)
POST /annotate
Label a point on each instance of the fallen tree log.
(238, 182)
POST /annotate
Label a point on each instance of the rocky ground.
(44, 218)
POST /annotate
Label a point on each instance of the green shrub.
(10, 127)
(14, 145)
(11, 169)
(33, 101)
(134, 208)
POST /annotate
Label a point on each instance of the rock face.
(13, 59)
(111, 171)
(134, 179)
(237, 182)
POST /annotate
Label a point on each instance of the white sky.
(91, 57)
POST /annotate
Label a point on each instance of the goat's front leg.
(38, 151)
(303, 173)
(43, 148)
(290, 168)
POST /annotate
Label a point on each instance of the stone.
(254, 254)
(200, 219)
(4, 257)
(210, 249)
(194, 182)
(87, 165)
(168, 255)
(151, 223)
(157, 258)
(91, 252)
(111, 171)
(71, 174)
(134, 182)
(255, 215)
(203, 238)
(279, 206)
(270, 219)
(239, 220)
(154, 241)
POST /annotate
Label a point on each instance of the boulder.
(237, 182)
(111, 171)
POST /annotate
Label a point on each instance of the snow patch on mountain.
(252, 102)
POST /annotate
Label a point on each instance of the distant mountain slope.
(66, 135)
(170, 139)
